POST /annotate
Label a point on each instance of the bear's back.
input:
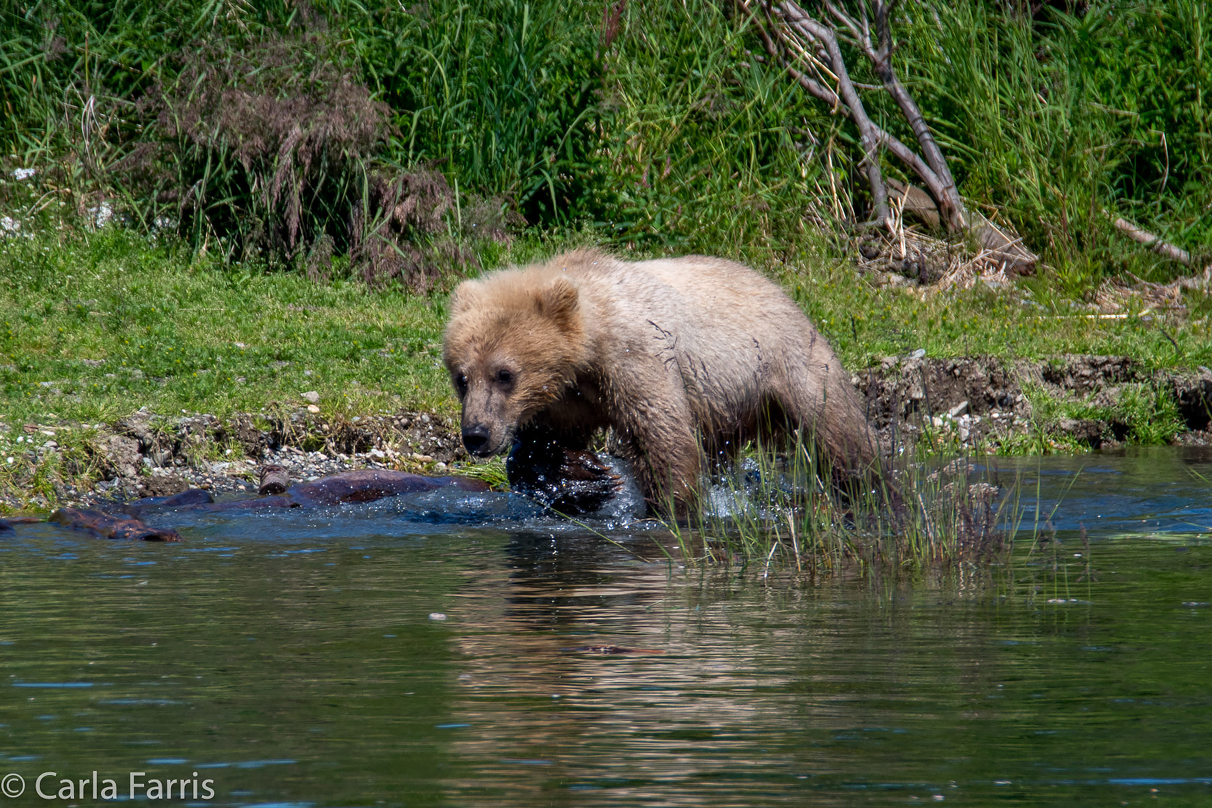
(722, 329)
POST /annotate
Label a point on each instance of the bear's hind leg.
(817, 399)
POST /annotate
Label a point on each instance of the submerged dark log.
(109, 526)
(366, 485)
(369, 485)
(264, 503)
(193, 496)
(6, 524)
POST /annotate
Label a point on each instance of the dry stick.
(813, 30)
(950, 204)
(898, 149)
(1155, 243)
(1006, 250)
(1166, 250)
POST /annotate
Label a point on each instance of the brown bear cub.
(681, 358)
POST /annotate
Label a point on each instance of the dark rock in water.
(263, 503)
(110, 526)
(192, 496)
(565, 480)
(366, 485)
(354, 486)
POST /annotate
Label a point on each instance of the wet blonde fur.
(676, 356)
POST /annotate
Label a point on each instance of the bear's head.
(513, 344)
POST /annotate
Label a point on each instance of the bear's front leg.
(569, 480)
(665, 459)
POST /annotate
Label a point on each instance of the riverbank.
(966, 406)
(127, 362)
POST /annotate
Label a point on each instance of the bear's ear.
(462, 298)
(557, 301)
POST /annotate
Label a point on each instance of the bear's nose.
(475, 438)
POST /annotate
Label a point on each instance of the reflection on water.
(301, 658)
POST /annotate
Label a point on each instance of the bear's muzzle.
(475, 438)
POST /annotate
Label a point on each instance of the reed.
(788, 509)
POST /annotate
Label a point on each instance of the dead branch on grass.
(808, 48)
(1166, 250)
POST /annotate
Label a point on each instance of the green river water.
(412, 653)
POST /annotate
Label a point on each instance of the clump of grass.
(99, 326)
(39, 471)
(491, 472)
(277, 149)
(712, 150)
(1139, 413)
(264, 142)
(788, 508)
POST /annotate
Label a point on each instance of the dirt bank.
(146, 454)
(1067, 403)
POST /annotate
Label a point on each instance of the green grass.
(779, 508)
(866, 324)
(98, 325)
(104, 324)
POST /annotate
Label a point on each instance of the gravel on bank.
(146, 454)
(985, 404)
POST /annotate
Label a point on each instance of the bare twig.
(995, 243)
(1153, 242)
(943, 190)
(809, 50)
(819, 90)
(812, 30)
(1166, 250)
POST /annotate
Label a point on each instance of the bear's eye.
(505, 378)
(461, 383)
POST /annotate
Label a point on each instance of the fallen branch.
(1155, 243)
(813, 30)
(997, 245)
(1166, 250)
(809, 50)
(945, 192)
